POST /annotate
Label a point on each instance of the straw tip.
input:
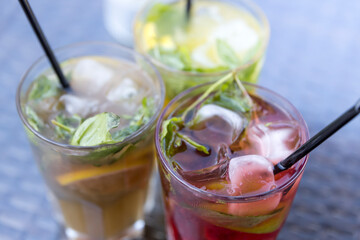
(357, 105)
(279, 168)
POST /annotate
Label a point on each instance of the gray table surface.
(313, 60)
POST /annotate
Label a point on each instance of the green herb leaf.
(178, 58)
(212, 87)
(168, 134)
(227, 92)
(198, 146)
(172, 60)
(65, 126)
(167, 18)
(44, 88)
(96, 130)
(33, 119)
(143, 115)
(227, 54)
(120, 135)
(232, 97)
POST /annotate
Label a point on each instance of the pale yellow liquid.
(98, 201)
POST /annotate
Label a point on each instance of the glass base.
(133, 232)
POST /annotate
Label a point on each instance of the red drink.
(216, 172)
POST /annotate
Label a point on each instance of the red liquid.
(186, 222)
(194, 216)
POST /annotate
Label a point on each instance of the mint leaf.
(169, 129)
(143, 115)
(172, 60)
(44, 88)
(227, 92)
(232, 98)
(33, 119)
(227, 54)
(208, 91)
(96, 130)
(167, 18)
(120, 135)
(66, 126)
(196, 145)
(157, 11)
(178, 58)
(170, 137)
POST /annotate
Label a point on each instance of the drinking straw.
(188, 8)
(44, 43)
(318, 138)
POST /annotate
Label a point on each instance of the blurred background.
(313, 60)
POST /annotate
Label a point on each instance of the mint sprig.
(43, 87)
(33, 119)
(227, 92)
(143, 115)
(65, 126)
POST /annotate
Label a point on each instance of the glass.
(96, 202)
(177, 80)
(193, 213)
(118, 16)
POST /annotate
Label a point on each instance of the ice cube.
(90, 77)
(125, 90)
(233, 119)
(211, 167)
(276, 141)
(251, 174)
(80, 105)
(243, 39)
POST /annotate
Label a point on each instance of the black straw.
(44, 43)
(318, 139)
(188, 8)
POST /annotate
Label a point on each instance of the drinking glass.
(99, 191)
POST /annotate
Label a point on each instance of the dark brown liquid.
(210, 171)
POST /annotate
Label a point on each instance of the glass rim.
(80, 44)
(266, 35)
(206, 194)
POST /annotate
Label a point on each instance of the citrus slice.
(95, 172)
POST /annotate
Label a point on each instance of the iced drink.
(216, 146)
(93, 144)
(218, 36)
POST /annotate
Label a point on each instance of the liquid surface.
(269, 132)
(98, 85)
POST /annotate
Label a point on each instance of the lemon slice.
(94, 172)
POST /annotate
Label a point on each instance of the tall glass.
(194, 213)
(100, 191)
(177, 80)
